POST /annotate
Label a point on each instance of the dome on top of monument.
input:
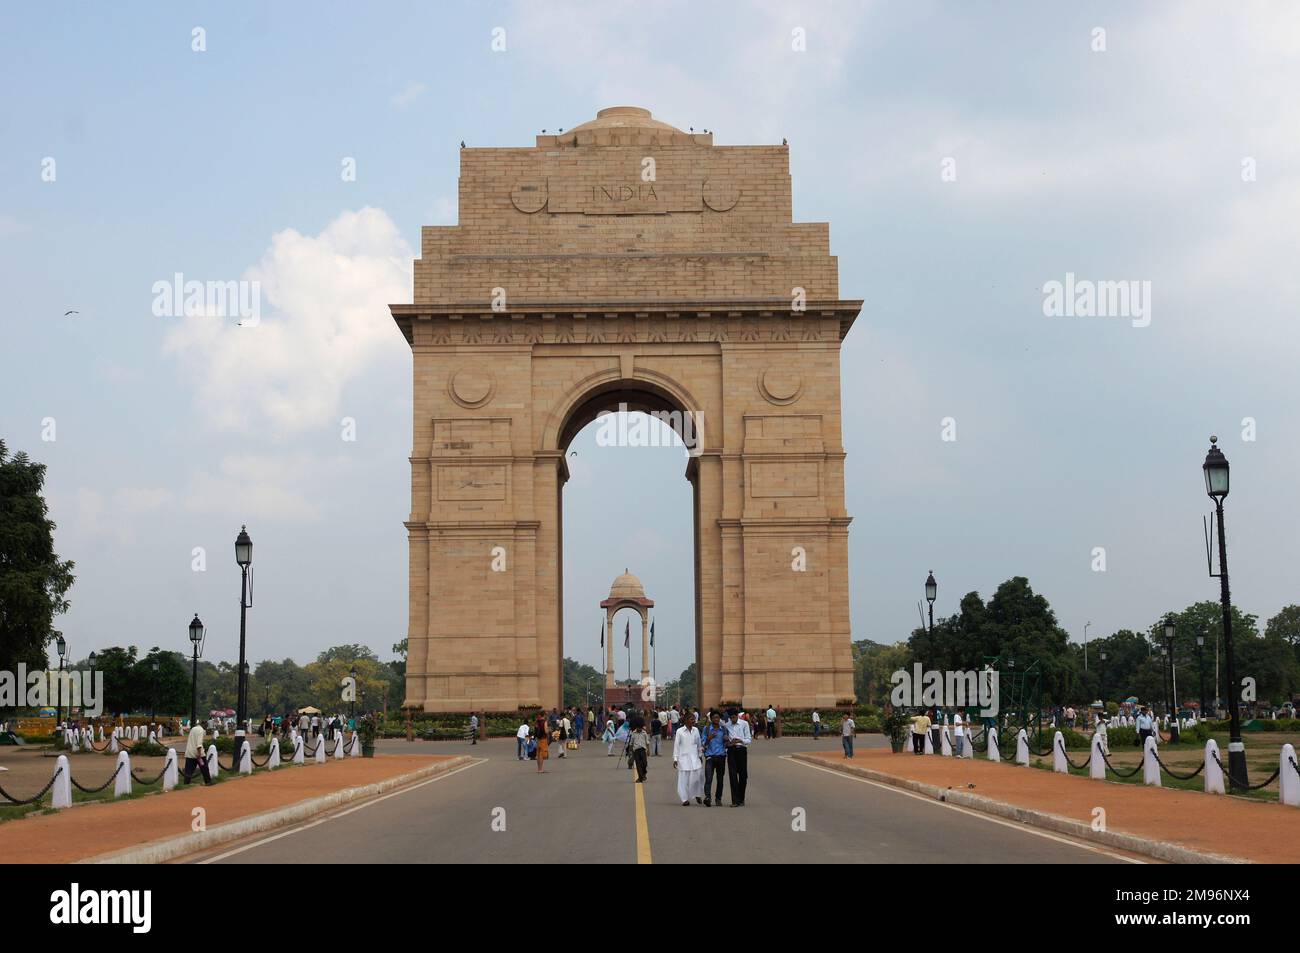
(627, 586)
(624, 117)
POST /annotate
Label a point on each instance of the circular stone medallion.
(529, 196)
(721, 195)
(780, 385)
(472, 387)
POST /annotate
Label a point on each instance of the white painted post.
(944, 744)
(123, 783)
(113, 746)
(214, 766)
(354, 750)
(338, 746)
(273, 759)
(61, 793)
(1058, 754)
(1096, 764)
(1022, 747)
(170, 771)
(298, 756)
(1150, 767)
(995, 753)
(928, 744)
(246, 757)
(1213, 773)
(320, 750)
(1288, 780)
(968, 746)
(153, 739)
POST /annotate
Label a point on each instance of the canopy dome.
(624, 117)
(627, 586)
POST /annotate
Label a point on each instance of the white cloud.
(409, 94)
(329, 324)
(254, 486)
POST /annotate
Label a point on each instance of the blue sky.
(1072, 433)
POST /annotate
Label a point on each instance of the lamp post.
(352, 705)
(1215, 470)
(931, 591)
(153, 691)
(1086, 625)
(1103, 680)
(61, 644)
(1170, 630)
(197, 631)
(1164, 675)
(90, 660)
(1200, 670)
(244, 557)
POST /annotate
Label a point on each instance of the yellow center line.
(642, 831)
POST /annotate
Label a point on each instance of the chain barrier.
(152, 780)
(1175, 774)
(32, 800)
(111, 778)
(1117, 772)
(1233, 782)
(1061, 744)
(1294, 765)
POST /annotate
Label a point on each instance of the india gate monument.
(626, 264)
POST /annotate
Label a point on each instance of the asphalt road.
(584, 809)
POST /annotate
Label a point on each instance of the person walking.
(640, 742)
(770, 714)
(959, 732)
(578, 723)
(521, 742)
(847, 727)
(739, 737)
(473, 728)
(686, 761)
(817, 724)
(565, 729)
(543, 743)
(195, 760)
(714, 743)
(656, 731)
(920, 728)
(1145, 726)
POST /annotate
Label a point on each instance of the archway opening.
(629, 506)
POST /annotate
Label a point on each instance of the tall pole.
(243, 629)
(1200, 670)
(1236, 750)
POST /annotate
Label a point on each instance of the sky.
(966, 156)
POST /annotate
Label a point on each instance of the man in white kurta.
(687, 761)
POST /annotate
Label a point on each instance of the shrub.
(143, 749)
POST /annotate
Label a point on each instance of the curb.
(157, 852)
(1159, 850)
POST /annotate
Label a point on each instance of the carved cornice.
(626, 322)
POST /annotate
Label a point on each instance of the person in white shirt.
(521, 741)
(771, 721)
(688, 763)
(195, 759)
(817, 724)
(739, 737)
(959, 730)
(566, 732)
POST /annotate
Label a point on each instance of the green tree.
(33, 580)
(579, 679)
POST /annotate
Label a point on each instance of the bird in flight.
(66, 313)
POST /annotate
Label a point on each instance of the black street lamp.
(352, 705)
(61, 644)
(1200, 670)
(1170, 630)
(1215, 470)
(1164, 675)
(244, 557)
(153, 692)
(1103, 680)
(931, 591)
(197, 631)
